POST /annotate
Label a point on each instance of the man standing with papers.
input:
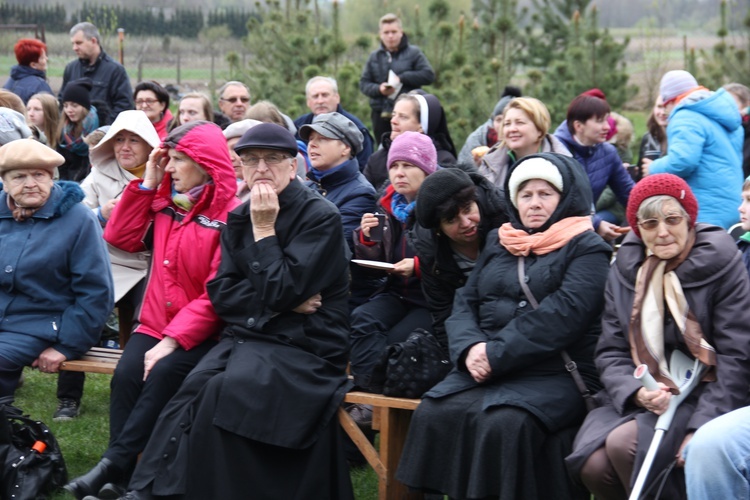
(396, 67)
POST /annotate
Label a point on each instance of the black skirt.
(454, 447)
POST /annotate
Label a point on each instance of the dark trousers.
(135, 404)
(10, 372)
(380, 124)
(383, 320)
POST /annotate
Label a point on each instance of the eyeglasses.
(254, 161)
(235, 99)
(147, 102)
(670, 220)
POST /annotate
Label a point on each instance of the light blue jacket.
(704, 137)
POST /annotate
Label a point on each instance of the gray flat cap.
(335, 126)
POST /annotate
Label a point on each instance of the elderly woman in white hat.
(56, 285)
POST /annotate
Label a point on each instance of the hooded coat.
(717, 289)
(704, 147)
(106, 181)
(184, 244)
(26, 81)
(523, 346)
(57, 285)
(525, 342)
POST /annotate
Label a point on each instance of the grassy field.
(84, 439)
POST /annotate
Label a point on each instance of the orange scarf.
(518, 242)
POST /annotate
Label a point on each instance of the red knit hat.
(661, 184)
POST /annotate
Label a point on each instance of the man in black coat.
(257, 416)
(111, 92)
(411, 70)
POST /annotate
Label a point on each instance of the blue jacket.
(602, 165)
(704, 137)
(367, 143)
(348, 189)
(26, 81)
(56, 282)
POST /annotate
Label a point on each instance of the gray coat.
(716, 286)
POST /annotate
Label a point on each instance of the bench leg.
(394, 424)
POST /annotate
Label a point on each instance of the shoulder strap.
(570, 365)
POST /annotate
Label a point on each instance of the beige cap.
(25, 154)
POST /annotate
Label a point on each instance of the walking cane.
(687, 374)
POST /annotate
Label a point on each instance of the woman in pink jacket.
(177, 211)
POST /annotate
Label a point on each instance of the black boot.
(90, 483)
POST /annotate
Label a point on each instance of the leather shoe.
(90, 483)
(112, 491)
(137, 495)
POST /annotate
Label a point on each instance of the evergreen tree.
(573, 55)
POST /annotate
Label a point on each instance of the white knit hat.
(675, 83)
(533, 168)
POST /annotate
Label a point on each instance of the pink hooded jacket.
(185, 245)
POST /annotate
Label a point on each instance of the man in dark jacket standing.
(394, 68)
(111, 90)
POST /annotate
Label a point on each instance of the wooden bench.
(97, 360)
(391, 416)
(101, 359)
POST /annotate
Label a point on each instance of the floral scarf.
(657, 284)
(187, 201)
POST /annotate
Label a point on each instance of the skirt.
(457, 449)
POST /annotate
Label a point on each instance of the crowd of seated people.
(262, 255)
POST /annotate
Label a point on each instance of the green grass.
(84, 439)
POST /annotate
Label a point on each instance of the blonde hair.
(390, 18)
(266, 112)
(51, 113)
(534, 109)
(624, 135)
(208, 109)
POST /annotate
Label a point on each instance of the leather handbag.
(33, 465)
(410, 368)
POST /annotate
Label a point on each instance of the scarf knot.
(518, 242)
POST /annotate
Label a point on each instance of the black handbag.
(33, 465)
(410, 368)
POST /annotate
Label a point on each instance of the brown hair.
(10, 100)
